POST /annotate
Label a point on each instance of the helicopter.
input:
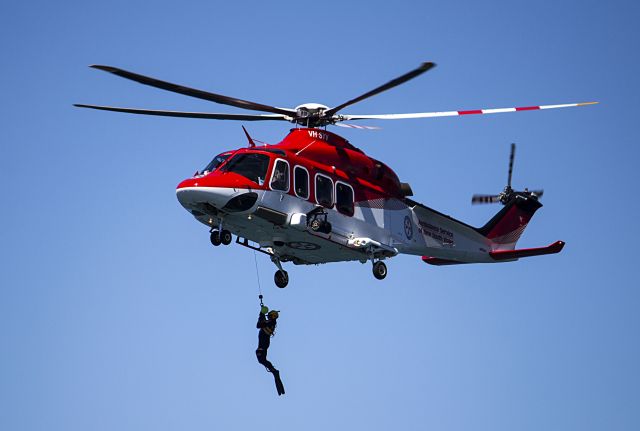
(315, 198)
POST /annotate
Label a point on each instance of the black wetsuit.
(267, 327)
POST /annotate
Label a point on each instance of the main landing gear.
(379, 270)
(281, 277)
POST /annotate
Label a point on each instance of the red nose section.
(189, 182)
(221, 179)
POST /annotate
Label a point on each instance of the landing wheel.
(281, 278)
(215, 238)
(225, 237)
(379, 270)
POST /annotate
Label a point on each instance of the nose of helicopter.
(193, 196)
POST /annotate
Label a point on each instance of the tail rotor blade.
(485, 199)
(513, 153)
(538, 193)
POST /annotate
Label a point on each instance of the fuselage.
(267, 194)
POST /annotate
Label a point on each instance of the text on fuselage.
(318, 135)
(437, 233)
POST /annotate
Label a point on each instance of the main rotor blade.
(200, 94)
(457, 113)
(511, 156)
(393, 83)
(207, 115)
(485, 199)
(356, 126)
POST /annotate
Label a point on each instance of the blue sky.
(117, 313)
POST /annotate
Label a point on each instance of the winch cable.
(255, 260)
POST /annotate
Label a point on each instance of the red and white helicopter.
(315, 198)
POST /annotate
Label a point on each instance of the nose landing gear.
(220, 237)
(226, 237)
(215, 238)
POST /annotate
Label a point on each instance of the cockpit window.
(250, 165)
(217, 161)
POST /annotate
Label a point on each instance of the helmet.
(273, 314)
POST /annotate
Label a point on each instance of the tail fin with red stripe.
(505, 228)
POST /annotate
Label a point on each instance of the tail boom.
(493, 242)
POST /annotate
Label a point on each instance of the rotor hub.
(311, 114)
(307, 109)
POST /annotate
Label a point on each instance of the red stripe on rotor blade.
(475, 111)
(528, 108)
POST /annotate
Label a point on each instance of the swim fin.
(279, 385)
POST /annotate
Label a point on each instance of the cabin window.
(324, 191)
(280, 176)
(344, 198)
(250, 165)
(301, 182)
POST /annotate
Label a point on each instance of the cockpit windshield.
(217, 161)
(250, 165)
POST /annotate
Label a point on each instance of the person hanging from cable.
(267, 322)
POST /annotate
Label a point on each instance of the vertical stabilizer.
(505, 228)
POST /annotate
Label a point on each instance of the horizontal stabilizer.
(556, 247)
(502, 255)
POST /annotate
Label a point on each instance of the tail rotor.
(508, 193)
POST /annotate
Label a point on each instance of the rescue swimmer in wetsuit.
(267, 321)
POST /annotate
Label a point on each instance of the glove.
(264, 309)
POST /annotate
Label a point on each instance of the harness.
(269, 330)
